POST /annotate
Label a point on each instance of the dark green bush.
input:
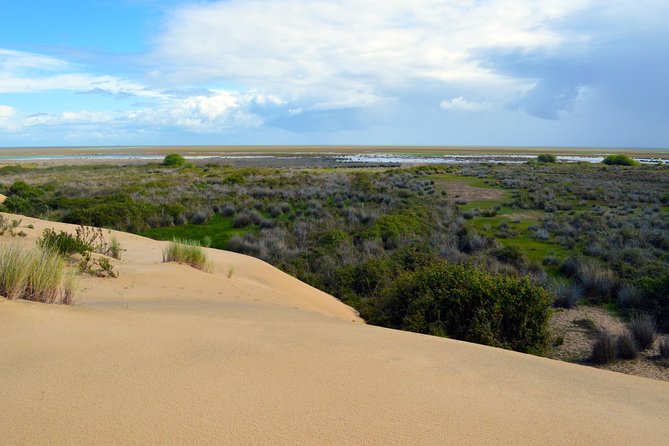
(22, 189)
(547, 158)
(16, 205)
(510, 254)
(117, 211)
(468, 303)
(66, 244)
(620, 160)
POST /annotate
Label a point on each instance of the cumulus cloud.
(218, 112)
(352, 53)
(549, 72)
(460, 103)
(23, 72)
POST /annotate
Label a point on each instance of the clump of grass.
(628, 296)
(45, 276)
(14, 267)
(567, 294)
(626, 346)
(70, 286)
(189, 252)
(114, 249)
(643, 329)
(604, 348)
(37, 274)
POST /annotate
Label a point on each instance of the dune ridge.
(167, 354)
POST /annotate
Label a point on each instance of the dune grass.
(189, 252)
(35, 273)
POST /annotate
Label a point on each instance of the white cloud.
(462, 104)
(219, 112)
(6, 111)
(22, 72)
(352, 53)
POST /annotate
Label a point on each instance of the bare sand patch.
(462, 191)
(578, 342)
(167, 354)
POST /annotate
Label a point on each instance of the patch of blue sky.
(99, 25)
(54, 102)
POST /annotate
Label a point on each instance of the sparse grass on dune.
(189, 252)
(37, 273)
(14, 267)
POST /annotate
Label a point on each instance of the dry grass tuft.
(189, 252)
(37, 273)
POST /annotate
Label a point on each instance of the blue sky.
(421, 72)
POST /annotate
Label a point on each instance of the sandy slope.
(169, 355)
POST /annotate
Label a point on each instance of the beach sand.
(166, 354)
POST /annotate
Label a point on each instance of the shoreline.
(325, 150)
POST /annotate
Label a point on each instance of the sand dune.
(166, 354)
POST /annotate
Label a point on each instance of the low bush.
(468, 303)
(619, 160)
(643, 329)
(626, 346)
(547, 158)
(64, 243)
(174, 160)
(604, 348)
(189, 252)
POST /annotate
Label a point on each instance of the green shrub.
(604, 348)
(174, 160)
(332, 238)
(620, 160)
(189, 252)
(64, 243)
(547, 158)
(470, 304)
(22, 189)
(117, 211)
(510, 254)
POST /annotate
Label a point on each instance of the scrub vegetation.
(393, 242)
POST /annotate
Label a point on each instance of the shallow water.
(364, 158)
